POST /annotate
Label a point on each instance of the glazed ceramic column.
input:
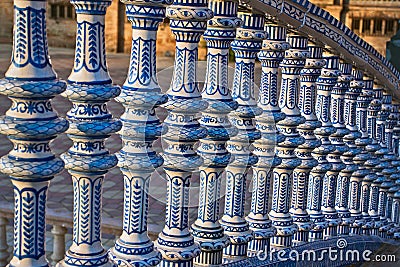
(307, 100)
(350, 112)
(207, 231)
(88, 160)
(338, 119)
(270, 56)
(325, 83)
(246, 45)
(396, 188)
(392, 171)
(375, 165)
(30, 124)
(386, 171)
(141, 127)
(396, 129)
(357, 124)
(292, 64)
(363, 103)
(188, 23)
(317, 174)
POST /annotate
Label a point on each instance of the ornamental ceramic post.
(363, 105)
(354, 91)
(396, 196)
(396, 129)
(307, 100)
(338, 119)
(271, 55)
(359, 100)
(88, 160)
(246, 45)
(141, 127)
(30, 124)
(291, 65)
(317, 173)
(385, 164)
(188, 22)
(392, 171)
(207, 231)
(325, 83)
(376, 167)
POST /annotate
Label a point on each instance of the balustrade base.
(209, 258)
(316, 235)
(77, 259)
(343, 230)
(165, 263)
(331, 231)
(236, 250)
(258, 244)
(278, 242)
(300, 237)
(15, 262)
(126, 255)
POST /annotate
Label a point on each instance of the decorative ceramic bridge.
(320, 144)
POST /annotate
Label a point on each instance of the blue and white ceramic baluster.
(352, 94)
(358, 126)
(396, 129)
(246, 45)
(270, 56)
(396, 196)
(88, 160)
(385, 163)
(291, 66)
(375, 164)
(343, 182)
(325, 83)
(188, 23)
(392, 171)
(317, 173)
(141, 127)
(307, 100)
(363, 105)
(207, 231)
(30, 124)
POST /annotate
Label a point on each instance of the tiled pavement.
(60, 195)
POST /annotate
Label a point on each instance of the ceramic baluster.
(392, 171)
(307, 100)
(188, 23)
(291, 66)
(396, 197)
(358, 127)
(362, 119)
(271, 55)
(343, 183)
(387, 169)
(207, 231)
(88, 160)
(141, 127)
(325, 83)
(317, 173)
(30, 124)
(374, 164)
(246, 45)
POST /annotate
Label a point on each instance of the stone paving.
(60, 196)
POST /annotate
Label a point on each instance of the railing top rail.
(323, 27)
